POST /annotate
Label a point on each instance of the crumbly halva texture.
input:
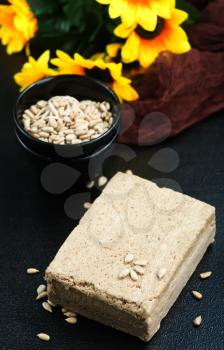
(166, 230)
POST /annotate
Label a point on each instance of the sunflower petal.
(123, 31)
(130, 50)
(146, 17)
(112, 49)
(125, 92)
(117, 7)
(176, 41)
(148, 53)
(178, 17)
(163, 8)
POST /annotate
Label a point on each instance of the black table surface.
(34, 225)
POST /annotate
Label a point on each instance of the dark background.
(34, 225)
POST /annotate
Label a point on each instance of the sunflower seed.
(133, 275)
(29, 113)
(128, 258)
(44, 134)
(71, 320)
(123, 273)
(140, 262)
(41, 103)
(70, 314)
(43, 336)
(90, 184)
(34, 109)
(26, 124)
(102, 181)
(47, 306)
(41, 288)
(139, 269)
(205, 275)
(197, 321)
(32, 271)
(41, 295)
(87, 205)
(51, 304)
(70, 137)
(161, 273)
(197, 295)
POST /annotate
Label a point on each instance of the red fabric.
(180, 90)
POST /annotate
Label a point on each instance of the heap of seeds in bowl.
(65, 120)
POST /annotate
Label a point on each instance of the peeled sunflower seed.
(205, 275)
(51, 304)
(43, 336)
(70, 314)
(41, 295)
(133, 275)
(197, 295)
(47, 306)
(90, 184)
(197, 321)
(161, 273)
(123, 273)
(87, 205)
(102, 181)
(32, 271)
(139, 269)
(41, 288)
(128, 258)
(71, 320)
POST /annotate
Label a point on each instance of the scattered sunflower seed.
(32, 271)
(71, 320)
(51, 304)
(41, 288)
(124, 273)
(70, 314)
(87, 205)
(90, 184)
(197, 321)
(41, 295)
(139, 269)
(197, 295)
(47, 306)
(133, 275)
(43, 336)
(128, 258)
(140, 262)
(64, 310)
(102, 181)
(205, 275)
(161, 273)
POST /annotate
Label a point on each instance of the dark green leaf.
(40, 7)
(193, 12)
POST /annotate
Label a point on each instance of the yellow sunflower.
(145, 46)
(17, 25)
(67, 64)
(98, 67)
(34, 70)
(142, 12)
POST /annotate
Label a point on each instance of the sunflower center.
(101, 74)
(144, 34)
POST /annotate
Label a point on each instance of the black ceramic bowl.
(82, 88)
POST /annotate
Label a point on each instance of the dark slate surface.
(34, 225)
